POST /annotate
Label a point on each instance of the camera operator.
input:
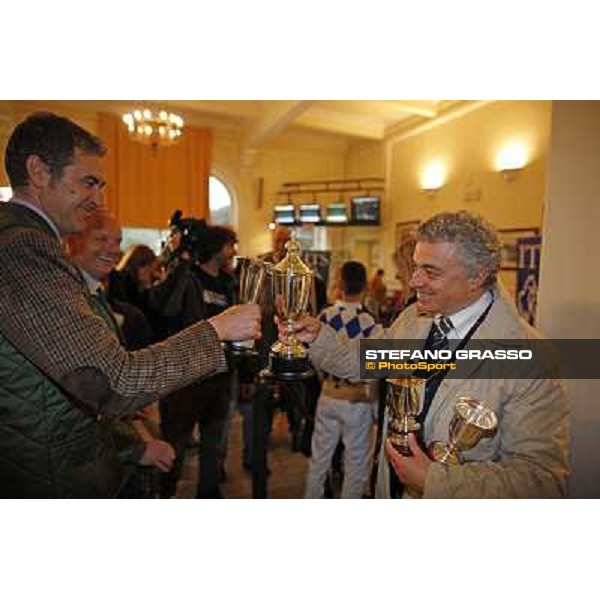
(197, 287)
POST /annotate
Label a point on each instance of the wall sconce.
(433, 179)
(511, 161)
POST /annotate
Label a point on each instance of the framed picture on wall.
(508, 239)
(510, 255)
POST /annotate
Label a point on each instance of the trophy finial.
(292, 246)
(292, 263)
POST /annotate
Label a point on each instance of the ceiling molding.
(276, 117)
(412, 108)
(388, 110)
(333, 121)
(450, 110)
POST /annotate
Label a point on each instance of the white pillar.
(569, 297)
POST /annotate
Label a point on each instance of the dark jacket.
(180, 300)
(63, 373)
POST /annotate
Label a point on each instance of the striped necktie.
(438, 339)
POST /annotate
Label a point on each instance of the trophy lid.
(292, 264)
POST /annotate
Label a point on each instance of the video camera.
(192, 233)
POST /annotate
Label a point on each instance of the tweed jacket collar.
(23, 212)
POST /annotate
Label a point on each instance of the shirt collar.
(38, 211)
(464, 319)
(92, 283)
(348, 305)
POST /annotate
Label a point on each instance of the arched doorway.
(220, 202)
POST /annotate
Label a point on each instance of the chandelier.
(156, 128)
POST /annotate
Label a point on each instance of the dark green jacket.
(130, 446)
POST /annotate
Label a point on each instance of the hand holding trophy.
(471, 422)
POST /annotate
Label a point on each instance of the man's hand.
(411, 470)
(307, 328)
(158, 454)
(239, 322)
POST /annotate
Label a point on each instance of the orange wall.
(145, 185)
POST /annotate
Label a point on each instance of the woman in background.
(136, 273)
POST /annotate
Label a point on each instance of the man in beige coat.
(457, 259)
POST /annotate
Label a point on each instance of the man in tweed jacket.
(62, 371)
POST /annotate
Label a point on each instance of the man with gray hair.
(456, 260)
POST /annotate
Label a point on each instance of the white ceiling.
(259, 122)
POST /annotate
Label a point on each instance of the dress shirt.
(93, 284)
(464, 319)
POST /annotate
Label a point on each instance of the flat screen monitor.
(284, 214)
(365, 209)
(310, 213)
(337, 213)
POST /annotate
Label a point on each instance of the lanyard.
(436, 378)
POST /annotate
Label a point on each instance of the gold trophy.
(404, 403)
(292, 281)
(252, 275)
(471, 422)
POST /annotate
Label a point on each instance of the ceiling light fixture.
(154, 127)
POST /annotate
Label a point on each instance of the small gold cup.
(471, 422)
(404, 403)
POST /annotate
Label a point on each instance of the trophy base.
(289, 369)
(441, 453)
(242, 349)
(247, 363)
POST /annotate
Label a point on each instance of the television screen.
(284, 214)
(310, 213)
(365, 209)
(337, 213)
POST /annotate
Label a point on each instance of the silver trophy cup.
(252, 275)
